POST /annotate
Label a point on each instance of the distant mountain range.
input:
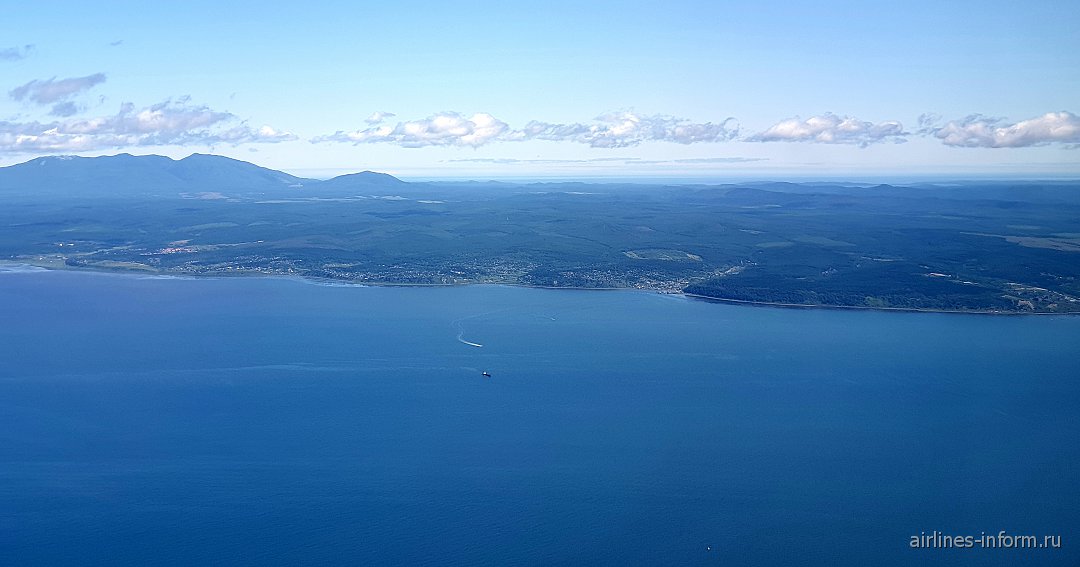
(125, 175)
(128, 175)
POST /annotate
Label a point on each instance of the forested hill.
(969, 245)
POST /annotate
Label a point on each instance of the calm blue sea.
(274, 421)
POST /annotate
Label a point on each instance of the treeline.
(730, 289)
(836, 292)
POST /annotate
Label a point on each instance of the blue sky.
(555, 89)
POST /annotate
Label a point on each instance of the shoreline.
(60, 266)
(868, 308)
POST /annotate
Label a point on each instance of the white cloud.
(444, 129)
(623, 129)
(832, 129)
(378, 117)
(244, 134)
(978, 131)
(52, 90)
(166, 123)
(614, 130)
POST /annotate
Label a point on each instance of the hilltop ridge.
(129, 175)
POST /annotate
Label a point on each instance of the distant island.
(970, 246)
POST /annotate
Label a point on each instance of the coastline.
(61, 266)
(868, 308)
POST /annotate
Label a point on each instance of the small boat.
(486, 374)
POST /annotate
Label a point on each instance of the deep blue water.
(273, 421)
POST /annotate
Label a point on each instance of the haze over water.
(186, 421)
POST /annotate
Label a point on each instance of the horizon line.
(778, 175)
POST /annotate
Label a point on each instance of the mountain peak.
(197, 157)
(363, 178)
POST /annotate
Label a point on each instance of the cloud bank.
(181, 123)
(166, 123)
(977, 131)
(829, 128)
(615, 130)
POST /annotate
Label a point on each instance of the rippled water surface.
(180, 421)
